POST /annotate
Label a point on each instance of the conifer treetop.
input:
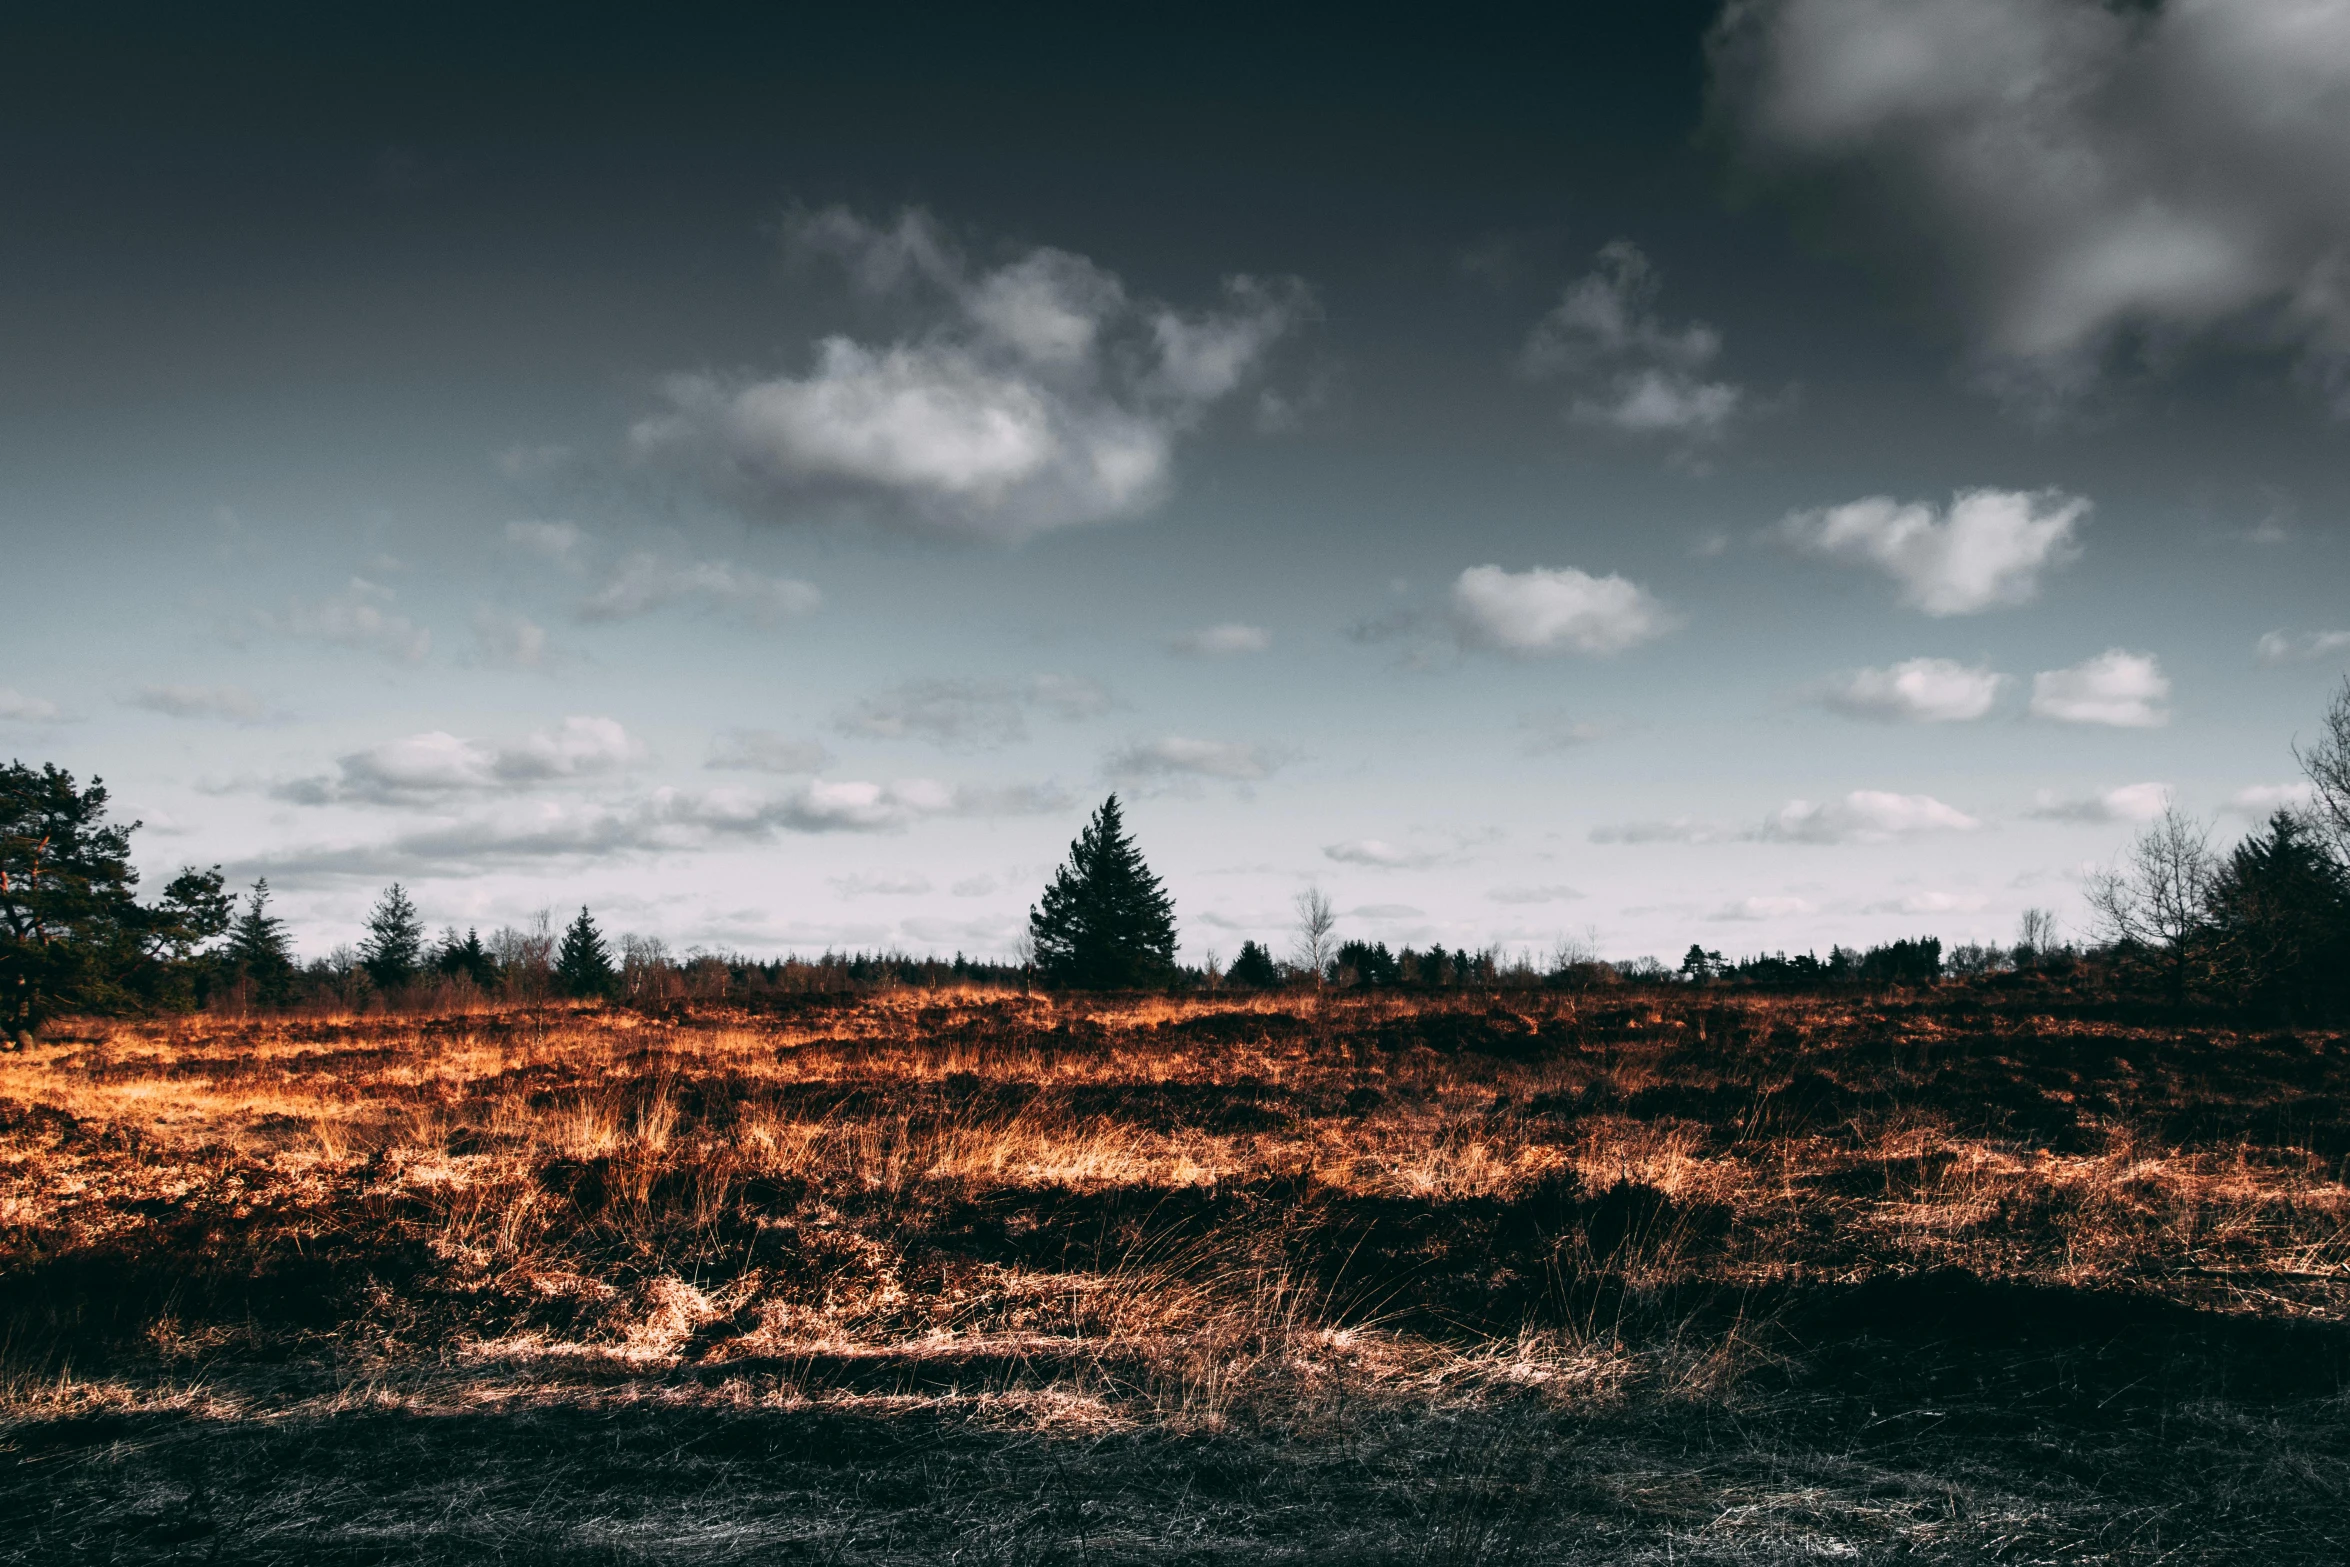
(583, 964)
(1105, 922)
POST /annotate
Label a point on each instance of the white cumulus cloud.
(433, 766)
(2122, 689)
(1039, 395)
(516, 832)
(2261, 801)
(1864, 816)
(2138, 802)
(1553, 610)
(1628, 370)
(1989, 550)
(1929, 903)
(1917, 691)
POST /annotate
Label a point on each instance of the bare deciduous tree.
(2327, 762)
(2036, 930)
(2156, 901)
(526, 957)
(1315, 922)
(647, 972)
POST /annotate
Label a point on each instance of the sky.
(1802, 472)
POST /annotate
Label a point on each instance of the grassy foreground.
(1985, 1275)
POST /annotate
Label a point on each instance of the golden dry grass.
(1523, 1277)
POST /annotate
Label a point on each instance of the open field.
(1977, 1275)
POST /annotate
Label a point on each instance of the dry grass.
(968, 1277)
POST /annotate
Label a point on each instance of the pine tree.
(72, 931)
(1254, 968)
(394, 948)
(1105, 922)
(583, 965)
(467, 958)
(2280, 908)
(259, 949)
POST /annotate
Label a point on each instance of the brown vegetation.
(1977, 1274)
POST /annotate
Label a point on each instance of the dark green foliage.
(1254, 969)
(1105, 922)
(2280, 911)
(72, 933)
(1436, 968)
(1369, 962)
(466, 959)
(393, 950)
(1917, 962)
(258, 950)
(1778, 969)
(583, 964)
(1699, 965)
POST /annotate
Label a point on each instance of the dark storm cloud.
(2069, 171)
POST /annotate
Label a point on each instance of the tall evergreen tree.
(2280, 911)
(394, 946)
(1254, 968)
(583, 964)
(259, 949)
(72, 931)
(467, 958)
(1105, 923)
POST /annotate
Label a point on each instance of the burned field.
(1971, 1274)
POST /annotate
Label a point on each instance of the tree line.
(2264, 924)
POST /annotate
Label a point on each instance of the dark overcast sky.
(446, 400)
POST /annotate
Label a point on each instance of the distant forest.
(2261, 925)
